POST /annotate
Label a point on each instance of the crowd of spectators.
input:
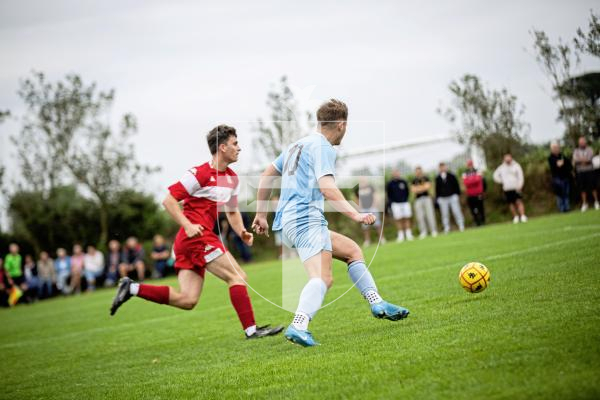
(28, 280)
(445, 192)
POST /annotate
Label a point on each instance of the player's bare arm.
(335, 196)
(172, 206)
(237, 224)
(265, 185)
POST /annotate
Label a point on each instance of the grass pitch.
(534, 333)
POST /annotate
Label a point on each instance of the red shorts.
(194, 253)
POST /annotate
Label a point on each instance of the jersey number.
(293, 156)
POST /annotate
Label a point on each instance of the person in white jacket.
(510, 175)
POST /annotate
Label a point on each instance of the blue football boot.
(389, 311)
(303, 338)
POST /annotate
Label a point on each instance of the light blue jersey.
(301, 166)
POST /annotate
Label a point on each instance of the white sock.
(301, 321)
(373, 297)
(312, 297)
(250, 330)
(134, 288)
(408, 233)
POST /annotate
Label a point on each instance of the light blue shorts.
(308, 239)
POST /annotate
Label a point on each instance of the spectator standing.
(366, 199)
(76, 268)
(114, 259)
(586, 177)
(62, 266)
(133, 259)
(93, 267)
(475, 189)
(13, 264)
(447, 193)
(398, 193)
(32, 281)
(160, 254)
(46, 274)
(423, 204)
(510, 175)
(561, 170)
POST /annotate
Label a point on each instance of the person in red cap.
(475, 188)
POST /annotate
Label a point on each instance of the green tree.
(286, 122)
(59, 218)
(66, 137)
(491, 119)
(577, 109)
(589, 42)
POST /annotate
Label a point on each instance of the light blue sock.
(312, 297)
(363, 280)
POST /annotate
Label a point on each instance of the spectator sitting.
(510, 175)
(32, 281)
(93, 267)
(447, 192)
(423, 204)
(366, 199)
(475, 188)
(160, 254)
(560, 169)
(76, 268)
(586, 177)
(46, 274)
(398, 195)
(113, 260)
(13, 266)
(62, 266)
(133, 259)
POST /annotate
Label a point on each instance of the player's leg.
(318, 268)
(226, 268)
(190, 284)
(346, 250)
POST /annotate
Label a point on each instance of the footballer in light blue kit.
(307, 170)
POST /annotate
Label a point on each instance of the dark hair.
(219, 135)
(331, 112)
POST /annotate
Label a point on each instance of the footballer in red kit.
(204, 190)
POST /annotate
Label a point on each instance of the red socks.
(241, 303)
(157, 294)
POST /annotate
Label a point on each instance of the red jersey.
(203, 190)
(473, 183)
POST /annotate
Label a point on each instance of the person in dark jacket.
(475, 188)
(561, 170)
(398, 193)
(447, 193)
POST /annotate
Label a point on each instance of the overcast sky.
(183, 66)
